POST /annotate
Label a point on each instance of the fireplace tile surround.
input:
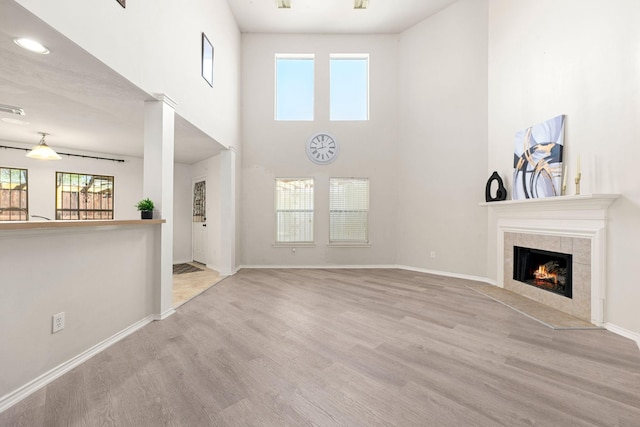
(575, 225)
(578, 306)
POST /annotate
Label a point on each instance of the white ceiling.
(86, 106)
(333, 16)
(83, 104)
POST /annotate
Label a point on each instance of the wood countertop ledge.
(29, 225)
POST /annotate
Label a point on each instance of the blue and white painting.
(537, 160)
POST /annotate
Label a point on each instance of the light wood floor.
(189, 285)
(346, 348)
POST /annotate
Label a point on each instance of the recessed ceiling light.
(283, 4)
(360, 4)
(31, 45)
(14, 121)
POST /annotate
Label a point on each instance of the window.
(13, 195)
(294, 210)
(83, 197)
(294, 87)
(349, 210)
(349, 88)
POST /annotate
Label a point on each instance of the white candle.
(564, 179)
(578, 172)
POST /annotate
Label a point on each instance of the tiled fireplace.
(571, 230)
(579, 303)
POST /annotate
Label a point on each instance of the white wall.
(549, 57)
(182, 213)
(442, 142)
(156, 44)
(42, 178)
(102, 279)
(277, 149)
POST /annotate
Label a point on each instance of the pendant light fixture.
(43, 151)
(360, 4)
(283, 4)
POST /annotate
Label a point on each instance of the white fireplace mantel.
(583, 216)
(588, 206)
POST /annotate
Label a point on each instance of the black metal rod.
(69, 154)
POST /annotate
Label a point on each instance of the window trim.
(304, 56)
(354, 56)
(26, 208)
(301, 243)
(352, 243)
(60, 210)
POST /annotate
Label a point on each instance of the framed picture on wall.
(123, 3)
(207, 60)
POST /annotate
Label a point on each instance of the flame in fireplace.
(542, 274)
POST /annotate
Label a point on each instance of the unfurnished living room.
(399, 213)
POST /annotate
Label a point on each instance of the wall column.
(158, 186)
(228, 175)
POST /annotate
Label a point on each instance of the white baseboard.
(31, 387)
(320, 267)
(623, 332)
(163, 315)
(448, 274)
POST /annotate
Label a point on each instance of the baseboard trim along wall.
(623, 332)
(31, 387)
(164, 315)
(447, 274)
(320, 267)
(391, 266)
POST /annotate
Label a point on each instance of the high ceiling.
(86, 106)
(83, 104)
(333, 16)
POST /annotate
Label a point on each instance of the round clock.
(322, 148)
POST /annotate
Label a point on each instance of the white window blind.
(294, 210)
(349, 210)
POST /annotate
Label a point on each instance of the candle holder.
(578, 184)
(564, 190)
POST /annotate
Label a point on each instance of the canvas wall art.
(537, 160)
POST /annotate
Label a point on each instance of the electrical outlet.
(57, 323)
(433, 254)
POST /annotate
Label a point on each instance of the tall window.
(294, 87)
(349, 210)
(349, 92)
(13, 195)
(294, 210)
(83, 197)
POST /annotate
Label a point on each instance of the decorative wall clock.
(322, 148)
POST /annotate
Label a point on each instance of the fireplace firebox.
(546, 270)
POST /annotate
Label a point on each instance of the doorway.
(199, 222)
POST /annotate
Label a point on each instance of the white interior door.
(199, 225)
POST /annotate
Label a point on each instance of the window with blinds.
(294, 210)
(349, 210)
(13, 195)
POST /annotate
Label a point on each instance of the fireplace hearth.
(550, 271)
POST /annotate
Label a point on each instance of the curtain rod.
(69, 154)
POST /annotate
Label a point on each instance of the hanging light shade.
(360, 4)
(283, 4)
(43, 151)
